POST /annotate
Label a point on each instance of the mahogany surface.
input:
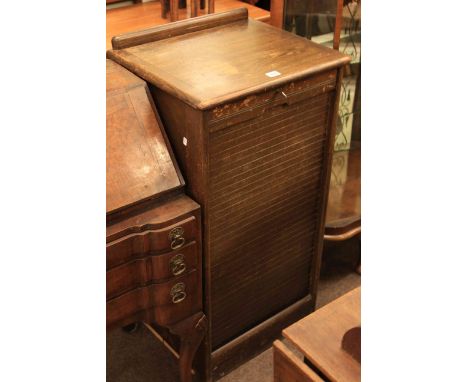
(153, 236)
(255, 151)
(146, 15)
(319, 337)
(139, 163)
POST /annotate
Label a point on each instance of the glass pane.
(311, 19)
(315, 20)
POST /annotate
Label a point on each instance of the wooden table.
(146, 15)
(318, 337)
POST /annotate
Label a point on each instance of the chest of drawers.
(249, 111)
(153, 236)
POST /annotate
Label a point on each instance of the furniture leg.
(164, 4)
(174, 8)
(194, 8)
(211, 6)
(191, 332)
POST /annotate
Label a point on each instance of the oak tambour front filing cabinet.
(153, 240)
(249, 110)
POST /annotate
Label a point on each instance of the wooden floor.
(146, 15)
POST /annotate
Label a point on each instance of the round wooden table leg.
(191, 332)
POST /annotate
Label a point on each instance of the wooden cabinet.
(249, 110)
(153, 235)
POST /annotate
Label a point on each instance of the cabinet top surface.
(139, 164)
(211, 66)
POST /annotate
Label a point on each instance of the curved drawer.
(168, 302)
(150, 242)
(152, 269)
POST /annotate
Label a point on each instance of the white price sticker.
(273, 73)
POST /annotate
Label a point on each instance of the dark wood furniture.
(153, 240)
(253, 132)
(319, 337)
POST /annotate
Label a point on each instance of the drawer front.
(168, 302)
(151, 242)
(153, 269)
(175, 263)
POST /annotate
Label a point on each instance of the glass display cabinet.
(337, 25)
(317, 20)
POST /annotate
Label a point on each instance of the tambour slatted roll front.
(264, 209)
(249, 111)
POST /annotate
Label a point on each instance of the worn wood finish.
(153, 236)
(288, 368)
(231, 70)
(145, 168)
(319, 337)
(147, 15)
(255, 151)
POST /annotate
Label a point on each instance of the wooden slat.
(264, 212)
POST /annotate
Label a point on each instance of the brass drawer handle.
(176, 237)
(177, 264)
(178, 293)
